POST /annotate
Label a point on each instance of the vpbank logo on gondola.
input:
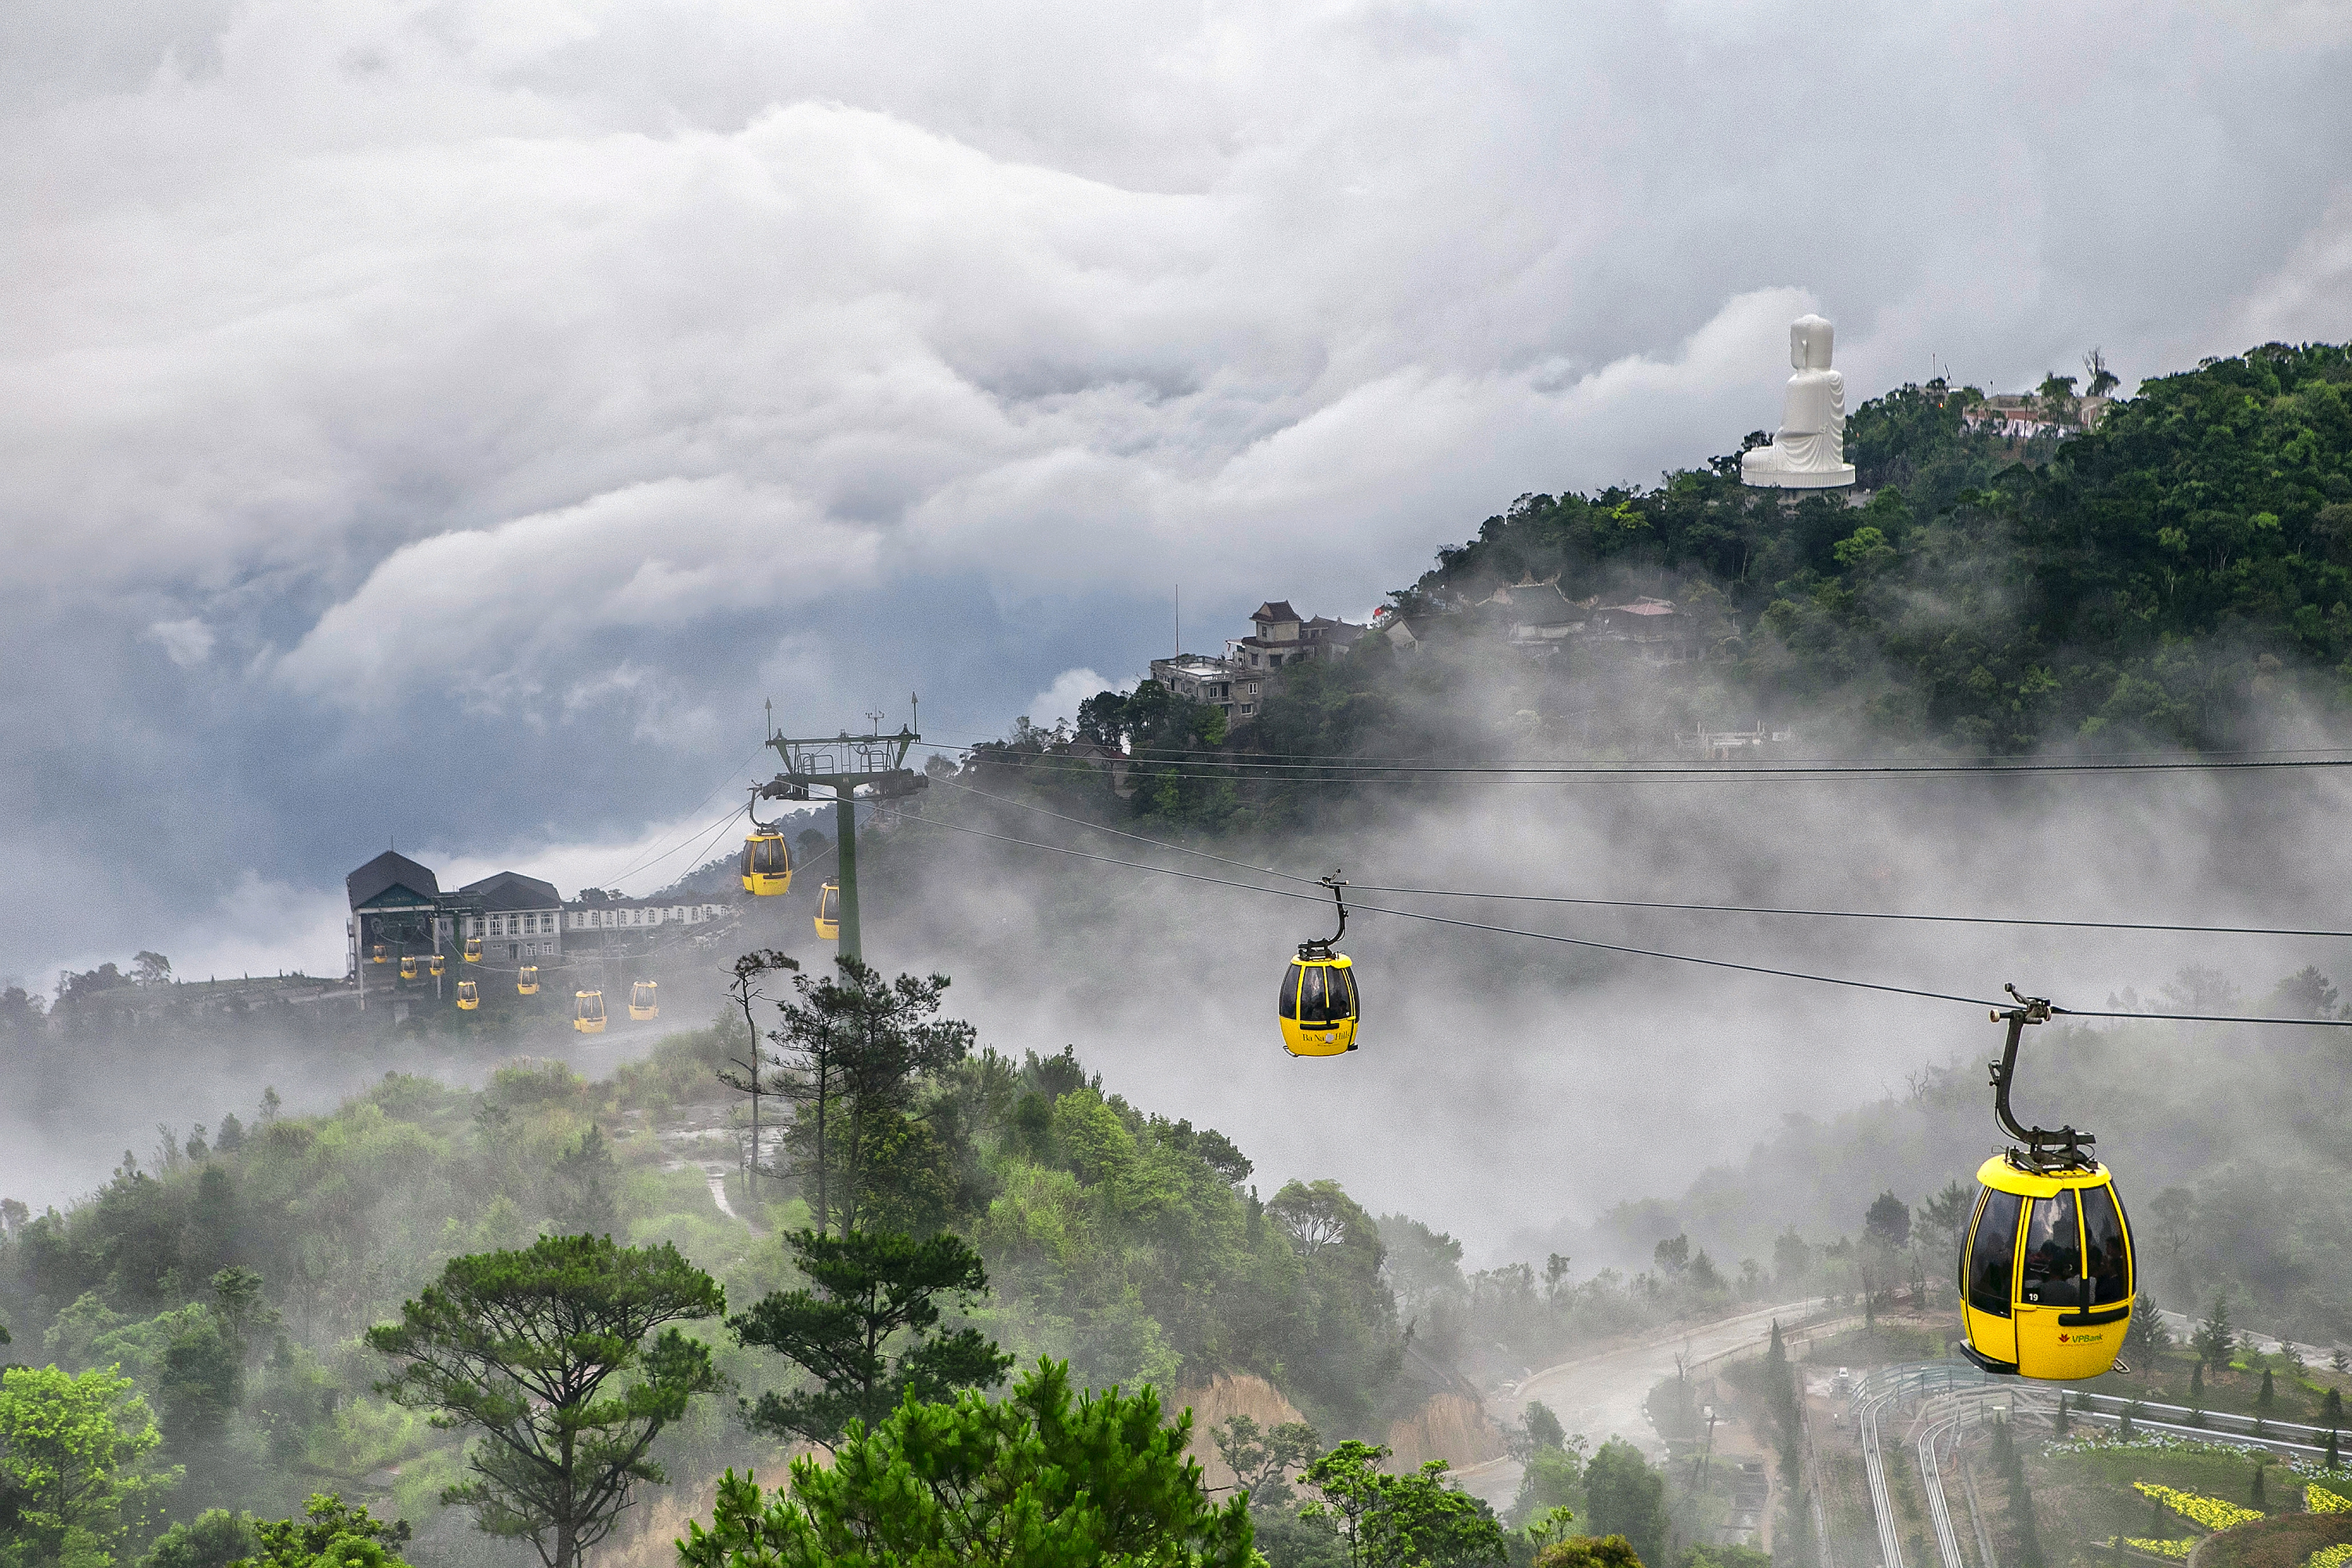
(2081, 1339)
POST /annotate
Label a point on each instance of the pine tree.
(2061, 1426)
(2331, 1409)
(2268, 1398)
(2197, 1384)
(2259, 1502)
(2214, 1337)
(2334, 1459)
(2021, 1509)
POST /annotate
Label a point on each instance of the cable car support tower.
(870, 768)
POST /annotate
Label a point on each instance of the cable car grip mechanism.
(1322, 948)
(2045, 1149)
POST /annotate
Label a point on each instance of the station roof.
(391, 878)
(513, 890)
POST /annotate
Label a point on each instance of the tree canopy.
(876, 1293)
(72, 1481)
(1040, 1480)
(328, 1535)
(1409, 1521)
(520, 1347)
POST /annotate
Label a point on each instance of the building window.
(1249, 707)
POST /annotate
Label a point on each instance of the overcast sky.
(449, 422)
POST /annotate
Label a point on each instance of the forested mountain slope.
(2179, 576)
(2127, 586)
(230, 1278)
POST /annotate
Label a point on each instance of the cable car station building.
(398, 905)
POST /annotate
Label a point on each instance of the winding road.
(1601, 1395)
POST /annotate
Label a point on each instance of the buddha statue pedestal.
(1809, 453)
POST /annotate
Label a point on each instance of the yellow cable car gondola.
(435, 965)
(588, 1011)
(469, 996)
(2046, 1269)
(408, 966)
(1320, 1006)
(767, 864)
(527, 980)
(828, 911)
(644, 1003)
(473, 950)
(383, 953)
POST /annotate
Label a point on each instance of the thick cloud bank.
(449, 422)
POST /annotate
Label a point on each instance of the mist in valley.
(1653, 1139)
(1510, 1090)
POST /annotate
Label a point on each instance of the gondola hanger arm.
(2028, 1010)
(1336, 883)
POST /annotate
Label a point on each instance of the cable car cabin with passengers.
(408, 966)
(527, 980)
(473, 950)
(2047, 1281)
(643, 1001)
(436, 967)
(469, 996)
(1319, 1006)
(588, 1011)
(2046, 1269)
(828, 911)
(766, 864)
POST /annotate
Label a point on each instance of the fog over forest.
(1511, 1089)
(1666, 1115)
(1777, 531)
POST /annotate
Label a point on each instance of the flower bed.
(2211, 1512)
(2283, 1541)
(2157, 1442)
(2332, 1556)
(2175, 1549)
(2319, 1500)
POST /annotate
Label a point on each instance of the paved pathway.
(717, 1177)
(1601, 1395)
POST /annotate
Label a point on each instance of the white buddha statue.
(1809, 453)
